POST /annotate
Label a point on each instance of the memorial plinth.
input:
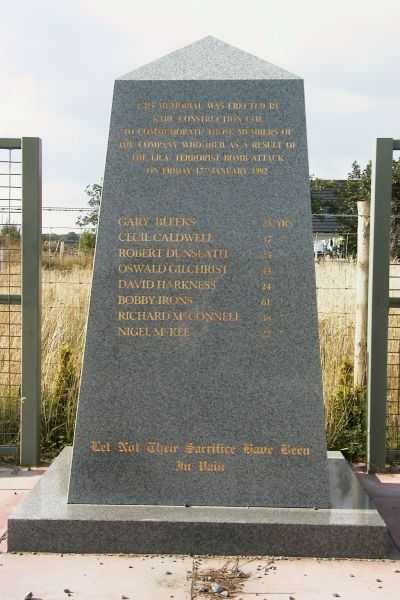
(200, 422)
(45, 522)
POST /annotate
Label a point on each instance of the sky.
(59, 60)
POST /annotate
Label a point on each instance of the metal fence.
(66, 265)
(66, 275)
(10, 297)
(383, 320)
(20, 304)
(66, 283)
(393, 386)
(393, 365)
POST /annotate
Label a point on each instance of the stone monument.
(201, 381)
(200, 409)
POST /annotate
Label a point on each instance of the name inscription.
(150, 258)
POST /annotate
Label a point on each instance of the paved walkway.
(59, 577)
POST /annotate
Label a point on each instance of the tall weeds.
(65, 298)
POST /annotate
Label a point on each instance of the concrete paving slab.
(117, 577)
(95, 578)
(389, 479)
(160, 577)
(8, 501)
(381, 485)
(19, 478)
(14, 483)
(303, 579)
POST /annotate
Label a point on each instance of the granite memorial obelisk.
(201, 379)
(200, 424)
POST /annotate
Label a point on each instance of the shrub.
(347, 430)
(59, 404)
(87, 242)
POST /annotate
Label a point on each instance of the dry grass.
(65, 297)
(10, 352)
(336, 303)
(336, 290)
(64, 307)
(64, 310)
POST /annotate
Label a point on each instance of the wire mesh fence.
(66, 281)
(393, 370)
(67, 258)
(67, 263)
(10, 290)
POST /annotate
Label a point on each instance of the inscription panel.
(201, 380)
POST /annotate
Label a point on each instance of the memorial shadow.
(384, 490)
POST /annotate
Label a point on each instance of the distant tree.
(356, 187)
(71, 237)
(87, 241)
(91, 218)
(320, 185)
(11, 231)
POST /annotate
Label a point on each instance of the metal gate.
(20, 302)
(383, 318)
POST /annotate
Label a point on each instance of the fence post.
(378, 303)
(31, 300)
(360, 334)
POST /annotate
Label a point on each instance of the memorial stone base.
(352, 527)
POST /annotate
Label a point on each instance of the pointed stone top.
(209, 58)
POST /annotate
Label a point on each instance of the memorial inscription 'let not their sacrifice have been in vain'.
(201, 381)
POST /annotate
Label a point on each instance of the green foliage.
(91, 219)
(357, 187)
(65, 375)
(59, 403)
(87, 242)
(348, 430)
(319, 185)
(11, 231)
